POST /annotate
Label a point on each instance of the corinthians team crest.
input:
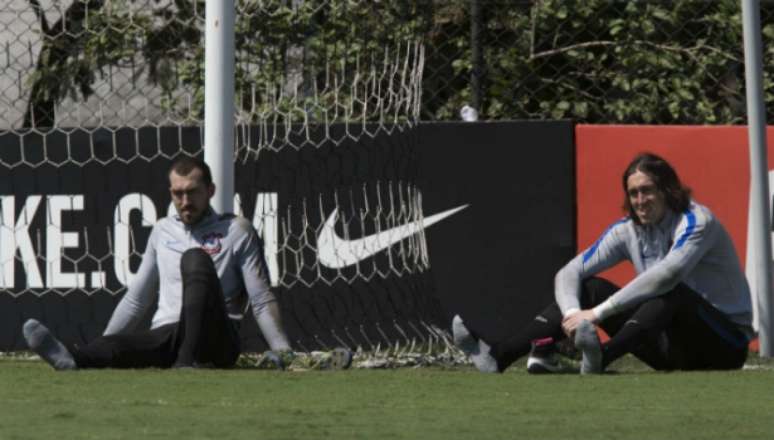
(211, 243)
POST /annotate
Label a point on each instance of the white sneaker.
(587, 340)
(477, 349)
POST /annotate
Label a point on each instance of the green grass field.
(425, 403)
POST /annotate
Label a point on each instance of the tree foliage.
(595, 61)
(604, 62)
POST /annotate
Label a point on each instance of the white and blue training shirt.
(691, 247)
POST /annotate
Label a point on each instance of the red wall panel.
(712, 160)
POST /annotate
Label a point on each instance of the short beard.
(195, 218)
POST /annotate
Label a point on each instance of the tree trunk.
(60, 42)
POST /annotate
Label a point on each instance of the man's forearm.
(142, 293)
(567, 289)
(269, 320)
(125, 317)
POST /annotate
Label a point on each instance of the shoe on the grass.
(587, 340)
(543, 357)
(274, 359)
(544, 365)
(41, 341)
(477, 349)
(341, 359)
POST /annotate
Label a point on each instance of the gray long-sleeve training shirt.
(692, 247)
(236, 251)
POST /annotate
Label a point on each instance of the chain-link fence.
(139, 63)
(124, 62)
(662, 62)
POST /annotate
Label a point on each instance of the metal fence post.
(477, 57)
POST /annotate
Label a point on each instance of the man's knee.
(595, 291)
(200, 278)
(196, 260)
(669, 301)
(656, 312)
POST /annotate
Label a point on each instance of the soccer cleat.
(274, 358)
(477, 349)
(341, 359)
(587, 340)
(544, 364)
(544, 358)
(41, 341)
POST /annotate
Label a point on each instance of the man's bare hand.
(571, 322)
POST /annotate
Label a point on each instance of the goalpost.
(219, 100)
(354, 105)
(760, 222)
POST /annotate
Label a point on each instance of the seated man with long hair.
(688, 308)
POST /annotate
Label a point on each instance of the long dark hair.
(677, 196)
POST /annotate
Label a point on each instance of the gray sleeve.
(694, 236)
(255, 276)
(141, 294)
(607, 251)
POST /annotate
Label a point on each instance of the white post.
(219, 100)
(759, 170)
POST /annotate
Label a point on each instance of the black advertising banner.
(78, 206)
(349, 273)
(494, 261)
(371, 236)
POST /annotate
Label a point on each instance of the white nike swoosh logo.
(336, 252)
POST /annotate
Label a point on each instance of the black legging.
(678, 330)
(205, 334)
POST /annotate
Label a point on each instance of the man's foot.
(462, 337)
(41, 341)
(543, 364)
(587, 340)
(477, 349)
(545, 359)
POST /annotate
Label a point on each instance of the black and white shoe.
(477, 349)
(544, 358)
(544, 365)
(41, 341)
(587, 340)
